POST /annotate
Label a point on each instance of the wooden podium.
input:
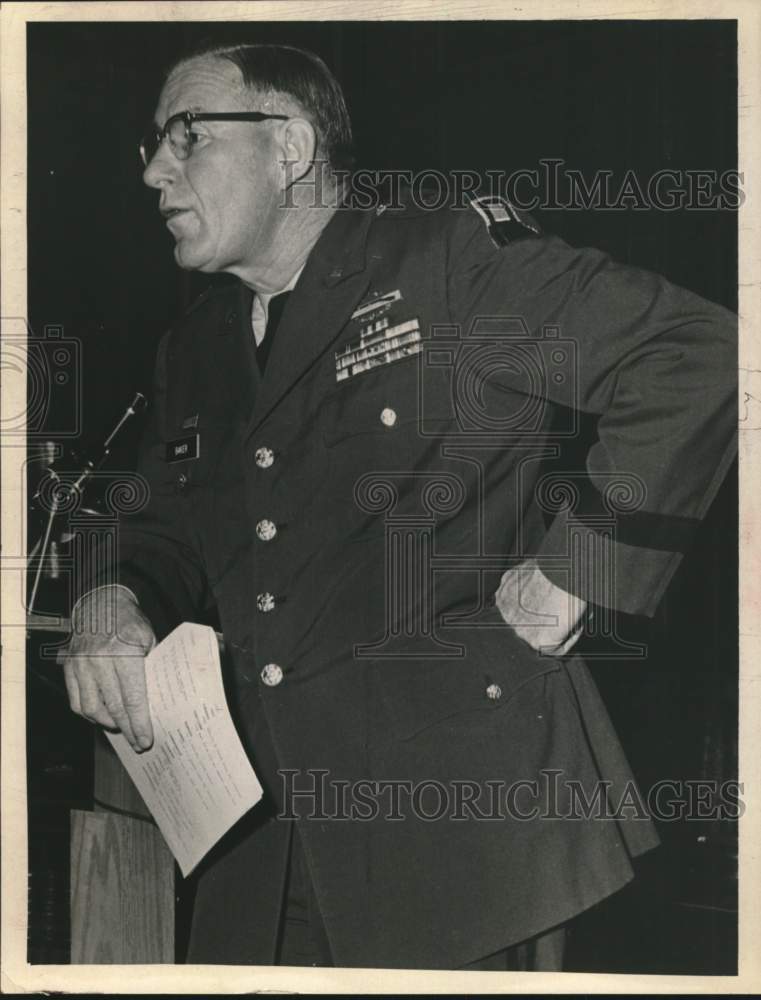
(122, 874)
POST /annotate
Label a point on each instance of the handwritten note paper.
(196, 779)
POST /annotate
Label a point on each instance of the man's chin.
(189, 261)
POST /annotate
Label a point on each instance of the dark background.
(449, 96)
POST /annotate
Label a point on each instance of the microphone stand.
(60, 497)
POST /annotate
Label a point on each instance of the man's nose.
(162, 168)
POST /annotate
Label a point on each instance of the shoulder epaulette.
(504, 222)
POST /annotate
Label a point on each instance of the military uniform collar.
(341, 247)
(334, 279)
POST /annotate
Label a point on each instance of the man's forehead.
(207, 83)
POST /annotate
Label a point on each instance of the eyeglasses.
(182, 139)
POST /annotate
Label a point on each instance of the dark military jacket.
(350, 514)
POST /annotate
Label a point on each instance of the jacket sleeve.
(158, 557)
(655, 363)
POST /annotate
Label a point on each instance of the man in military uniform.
(362, 498)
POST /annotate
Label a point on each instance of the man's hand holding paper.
(104, 663)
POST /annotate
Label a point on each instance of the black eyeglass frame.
(188, 117)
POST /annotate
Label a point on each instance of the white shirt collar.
(261, 303)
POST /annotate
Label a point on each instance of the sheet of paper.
(196, 779)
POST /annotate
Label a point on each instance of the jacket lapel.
(223, 377)
(332, 283)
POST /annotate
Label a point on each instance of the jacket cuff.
(152, 590)
(585, 557)
(94, 590)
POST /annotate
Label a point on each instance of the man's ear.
(299, 143)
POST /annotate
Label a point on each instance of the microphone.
(45, 550)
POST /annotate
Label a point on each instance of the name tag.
(183, 449)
